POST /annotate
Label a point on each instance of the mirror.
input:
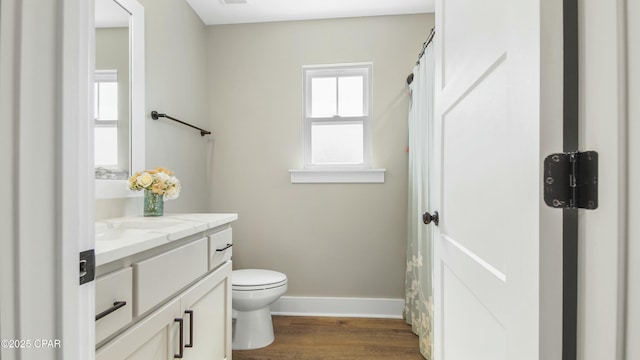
(111, 92)
(118, 95)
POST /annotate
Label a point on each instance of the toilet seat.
(256, 279)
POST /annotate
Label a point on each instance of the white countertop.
(122, 237)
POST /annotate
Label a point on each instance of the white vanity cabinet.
(203, 312)
(178, 299)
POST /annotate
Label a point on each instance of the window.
(337, 122)
(337, 130)
(106, 118)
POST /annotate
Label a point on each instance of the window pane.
(108, 101)
(106, 150)
(350, 96)
(337, 144)
(323, 97)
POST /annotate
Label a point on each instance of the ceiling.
(217, 12)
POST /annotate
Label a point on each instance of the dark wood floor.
(322, 338)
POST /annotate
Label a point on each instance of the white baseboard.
(338, 307)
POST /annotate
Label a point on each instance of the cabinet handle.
(181, 351)
(116, 305)
(225, 248)
(190, 313)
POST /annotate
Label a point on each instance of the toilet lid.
(256, 277)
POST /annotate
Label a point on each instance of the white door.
(488, 255)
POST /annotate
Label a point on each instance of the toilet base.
(252, 329)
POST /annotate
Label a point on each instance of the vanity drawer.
(220, 248)
(159, 277)
(113, 302)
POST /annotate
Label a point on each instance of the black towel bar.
(155, 115)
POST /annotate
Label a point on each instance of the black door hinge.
(87, 266)
(571, 180)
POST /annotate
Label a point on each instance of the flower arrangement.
(160, 181)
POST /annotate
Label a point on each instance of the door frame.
(81, 217)
(602, 126)
(570, 143)
(632, 306)
(45, 94)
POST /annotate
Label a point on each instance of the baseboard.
(338, 307)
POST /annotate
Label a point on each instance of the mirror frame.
(109, 189)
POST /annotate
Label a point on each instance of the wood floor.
(322, 338)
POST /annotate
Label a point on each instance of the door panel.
(210, 325)
(487, 284)
(154, 348)
(486, 335)
(465, 44)
(475, 134)
(210, 302)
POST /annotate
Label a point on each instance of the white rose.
(174, 181)
(145, 179)
(163, 176)
(172, 193)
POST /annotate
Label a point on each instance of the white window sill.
(308, 176)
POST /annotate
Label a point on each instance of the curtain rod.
(155, 115)
(424, 48)
(426, 43)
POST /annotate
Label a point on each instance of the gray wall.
(175, 84)
(345, 240)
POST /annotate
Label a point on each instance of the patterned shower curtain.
(418, 289)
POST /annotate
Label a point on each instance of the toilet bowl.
(252, 291)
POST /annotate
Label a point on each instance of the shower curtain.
(418, 290)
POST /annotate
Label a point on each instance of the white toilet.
(253, 290)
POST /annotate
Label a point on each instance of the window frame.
(338, 70)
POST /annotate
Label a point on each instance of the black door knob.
(428, 218)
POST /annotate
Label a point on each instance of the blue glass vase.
(153, 203)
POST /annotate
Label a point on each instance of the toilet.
(253, 290)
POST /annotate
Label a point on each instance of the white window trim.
(110, 75)
(347, 173)
(310, 176)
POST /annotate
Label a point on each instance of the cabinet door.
(154, 338)
(206, 309)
